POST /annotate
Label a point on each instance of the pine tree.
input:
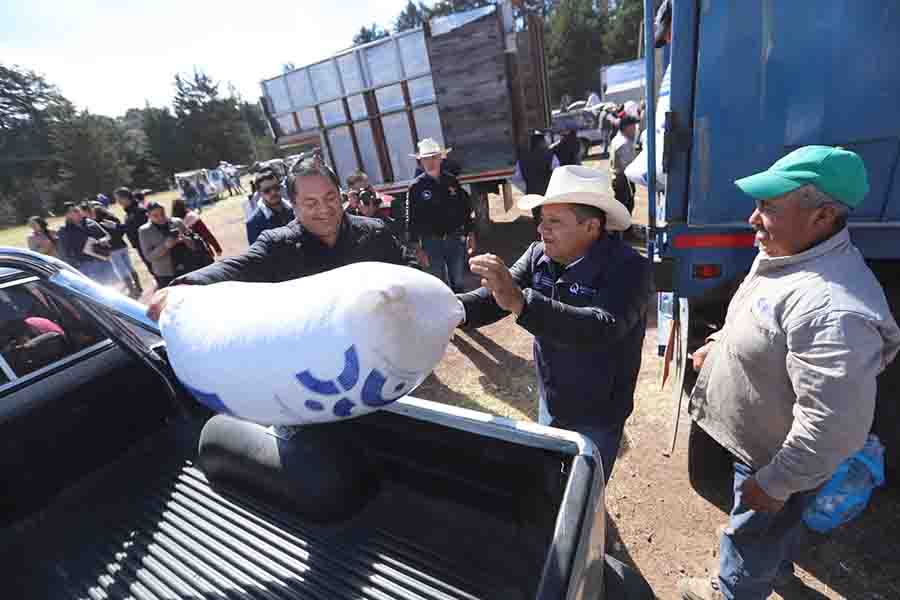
(92, 155)
(369, 34)
(621, 36)
(574, 48)
(412, 16)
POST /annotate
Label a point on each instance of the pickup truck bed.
(166, 532)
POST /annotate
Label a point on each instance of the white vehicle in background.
(212, 181)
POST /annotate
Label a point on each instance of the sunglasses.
(268, 189)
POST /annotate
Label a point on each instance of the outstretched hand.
(158, 304)
(496, 277)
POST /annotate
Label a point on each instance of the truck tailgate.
(151, 526)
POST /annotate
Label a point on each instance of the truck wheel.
(710, 466)
(887, 410)
(585, 148)
(621, 582)
(482, 212)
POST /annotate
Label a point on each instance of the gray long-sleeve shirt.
(789, 383)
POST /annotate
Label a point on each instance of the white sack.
(637, 170)
(323, 348)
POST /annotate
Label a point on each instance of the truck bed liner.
(165, 532)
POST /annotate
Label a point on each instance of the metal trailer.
(623, 81)
(751, 81)
(475, 81)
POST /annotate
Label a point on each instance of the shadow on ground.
(857, 560)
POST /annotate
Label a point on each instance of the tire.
(886, 424)
(621, 582)
(585, 148)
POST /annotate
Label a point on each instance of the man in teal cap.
(788, 384)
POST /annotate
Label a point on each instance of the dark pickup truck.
(116, 484)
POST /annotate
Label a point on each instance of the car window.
(39, 328)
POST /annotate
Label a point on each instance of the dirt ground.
(660, 526)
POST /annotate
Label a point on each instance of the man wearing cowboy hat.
(439, 217)
(622, 154)
(584, 296)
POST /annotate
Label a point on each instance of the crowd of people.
(96, 241)
(787, 385)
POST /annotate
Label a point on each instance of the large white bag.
(322, 348)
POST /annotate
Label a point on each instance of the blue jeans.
(100, 271)
(606, 438)
(448, 260)
(121, 264)
(755, 544)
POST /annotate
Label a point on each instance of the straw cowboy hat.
(429, 147)
(573, 184)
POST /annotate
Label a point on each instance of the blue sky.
(108, 56)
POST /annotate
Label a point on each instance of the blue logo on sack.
(372, 390)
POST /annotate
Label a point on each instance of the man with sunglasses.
(272, 210)
(321, 238)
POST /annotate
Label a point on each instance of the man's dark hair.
(537, 140)
(264, 175)
(584, 212)
(123, 192)
(69, 206)
(355, 178)
(311, 167)
(151, 206)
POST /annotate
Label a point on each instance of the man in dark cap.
(788, 385)
(535, 165)
(621, 155)
(662, 30)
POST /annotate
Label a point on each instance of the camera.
(368, 197)
(173, 231)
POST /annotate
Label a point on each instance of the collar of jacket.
(838, 241)
(586, 268)
(268, 211)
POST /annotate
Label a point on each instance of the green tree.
(443, 8)
(92, 157)
(31, 109)
(574, 47)
(412, 16)
(369, 34)
(208, 123)
(164, 145)
(622, 34)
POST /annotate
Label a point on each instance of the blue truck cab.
(751, 81)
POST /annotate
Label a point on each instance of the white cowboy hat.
(573, 184)
(430, 147)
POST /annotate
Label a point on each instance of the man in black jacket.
(439, 218)
(584, 296)
(73, 238)
(320, 239)
(272, 210)
(135, 216)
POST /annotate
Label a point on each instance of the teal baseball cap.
(835, 171)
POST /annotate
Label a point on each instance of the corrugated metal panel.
(177, 537)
